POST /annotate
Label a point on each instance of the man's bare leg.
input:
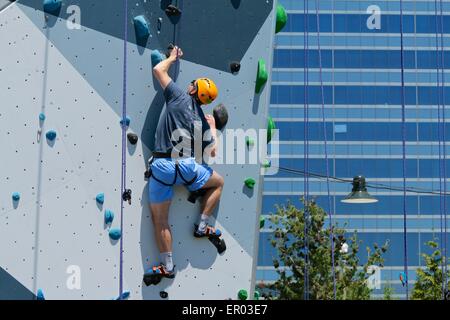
(163, 235)
(211, 198)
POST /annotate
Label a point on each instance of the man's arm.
(161, 70)
(212, 124)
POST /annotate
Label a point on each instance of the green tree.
(288, 238)
(429, 280)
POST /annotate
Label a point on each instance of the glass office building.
(361, 73)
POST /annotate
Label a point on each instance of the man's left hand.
(211, 121)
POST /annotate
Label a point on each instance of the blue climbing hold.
(125, 295)
(40, 295)
(52, 6)
(109, 217)
(100, 198)
(157, 57)
(42, 116)
(115, 234)
(16, 196)
(51, 135)
(125, 122)
(141, 27)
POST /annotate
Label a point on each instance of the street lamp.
(359, 192)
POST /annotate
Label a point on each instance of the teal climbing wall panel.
(68, 67)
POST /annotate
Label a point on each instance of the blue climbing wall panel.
(68, 67)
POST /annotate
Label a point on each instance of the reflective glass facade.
(361, 72)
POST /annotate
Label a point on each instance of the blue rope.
(405, 239)
(124, 143)
(330, 209)
(441, 208)
(445, 277)
(306, 147)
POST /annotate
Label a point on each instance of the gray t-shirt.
(185, 114)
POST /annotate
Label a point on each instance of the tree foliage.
(289, 239)
(429, 280)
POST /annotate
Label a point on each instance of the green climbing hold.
(281, 18)
(256, 295)
(270, 128)
(242, 294)
(250, 183)
(262, 76)
(267, 163)
(262, 222)
(249, 142)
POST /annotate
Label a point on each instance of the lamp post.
(359, 192)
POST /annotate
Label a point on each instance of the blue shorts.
(164, 170)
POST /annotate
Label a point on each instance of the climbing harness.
(150, 174)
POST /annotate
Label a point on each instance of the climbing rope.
(445, 276)
(124, 124)
(306, 146)
(322, 96)
(441, 209)
(405, 243)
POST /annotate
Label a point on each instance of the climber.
(175, 162)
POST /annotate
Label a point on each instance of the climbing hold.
(250, 183)
(235, 67)
(267, 163)
(115, 234)
(141, 27)
(270, 128)
(100, 198)
(159, 26)
(125, 122)
(281, 18)
(133, 138)
(249, 141)
(220, 115)
(125, 295)
(242, 294)
(40, 295)
(163, 295)
(262, 76)
(262, 222)
(172, 10)
(157, 57)
(126, 196)
(52, 6)
(256, 295)
(41, 117)
(51, 135)
(16, 196)
(109, 216)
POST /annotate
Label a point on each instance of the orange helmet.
(206, 90)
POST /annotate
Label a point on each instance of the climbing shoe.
(155, 275)
(209, 232)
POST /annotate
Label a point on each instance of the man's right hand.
(161, 70)
(176, 53)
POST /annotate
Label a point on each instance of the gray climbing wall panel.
(74, 77)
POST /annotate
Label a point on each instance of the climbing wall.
(62, 73)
